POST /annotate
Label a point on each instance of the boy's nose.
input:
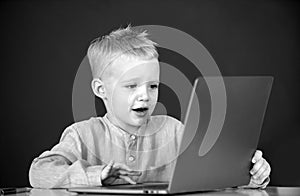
(143, 94)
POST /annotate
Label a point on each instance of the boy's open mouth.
(141, 111)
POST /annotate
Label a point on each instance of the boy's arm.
(56, 172)
(63, 166)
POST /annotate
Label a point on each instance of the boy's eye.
(154, 86)
(131, 86)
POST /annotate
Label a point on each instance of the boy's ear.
(98, 88)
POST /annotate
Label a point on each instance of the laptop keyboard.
(156, 186)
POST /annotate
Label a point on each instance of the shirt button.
(131, 158)
(133, 137)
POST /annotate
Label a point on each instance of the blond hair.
(103, 51)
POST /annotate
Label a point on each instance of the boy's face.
(132, 91)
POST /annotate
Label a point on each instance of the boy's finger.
(122, 166)
(257, 156)
(106, 170)
(260, 170)
(263, 173)
(256, 181)
(109, 166)
(135, 173)
(126, 170)
(256, 166)
(131, 173)
(127, 179)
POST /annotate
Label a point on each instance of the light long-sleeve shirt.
(86, 147)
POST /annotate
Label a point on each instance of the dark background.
(44, 42)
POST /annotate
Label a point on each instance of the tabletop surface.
(269, 191)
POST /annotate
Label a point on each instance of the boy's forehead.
(132, 67)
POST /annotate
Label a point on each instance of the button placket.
(131, 153)
(132, 137)
(131, 158)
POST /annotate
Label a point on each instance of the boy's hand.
(113, 171)
(261, 169)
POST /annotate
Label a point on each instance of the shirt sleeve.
(252, 184)
(63, 166)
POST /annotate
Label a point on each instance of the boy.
(127, 145)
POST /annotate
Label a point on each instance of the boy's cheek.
(154, 98)
(129, 100)
(152, 109)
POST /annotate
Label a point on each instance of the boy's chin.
(139, 120)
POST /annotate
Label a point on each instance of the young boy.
(127, 145)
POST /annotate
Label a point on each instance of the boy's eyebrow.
(136, 79)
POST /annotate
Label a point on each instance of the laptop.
(222, 125)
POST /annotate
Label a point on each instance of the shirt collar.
(149, 128)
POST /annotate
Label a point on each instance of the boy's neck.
(126, 128)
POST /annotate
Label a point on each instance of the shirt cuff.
(94, 175)
(253, 185)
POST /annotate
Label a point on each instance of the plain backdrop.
(43, 43)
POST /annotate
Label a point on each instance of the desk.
(269, 191)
